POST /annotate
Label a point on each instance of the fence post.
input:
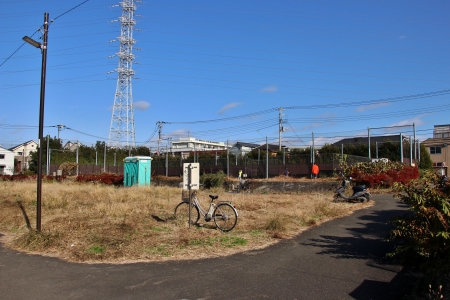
(77, 157)
(259, 158)
(48, 161)
(228, 161)
(104, 160)
(415, 148)
(410, 151)
(267, 159)
(167, 163)
(376, 149)
(401, 147)
(418, 152)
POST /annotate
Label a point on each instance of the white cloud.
(229, 106)
(270, 88)
(141, 105)
(402, 37)
(179, 133)
(416, 121)
(327, 116)
(310, 126)
(370, 107)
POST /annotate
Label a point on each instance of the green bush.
(213, 180)
(424, 234)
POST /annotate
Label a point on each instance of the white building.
(6, 162)
(241, 148)
(22, 153)
(184, 146)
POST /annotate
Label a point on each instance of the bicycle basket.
(185, 196)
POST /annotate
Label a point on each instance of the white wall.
(7, 163)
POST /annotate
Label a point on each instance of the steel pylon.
(121, 132)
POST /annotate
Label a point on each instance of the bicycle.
(224, 214)
(244, 185)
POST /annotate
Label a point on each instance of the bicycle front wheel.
(182, 214)
(225, 216)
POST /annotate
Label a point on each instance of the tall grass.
(87, 222)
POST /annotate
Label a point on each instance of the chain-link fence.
(298, 165)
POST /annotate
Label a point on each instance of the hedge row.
(105, 178)
(381, 174)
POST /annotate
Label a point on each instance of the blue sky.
(220, 70)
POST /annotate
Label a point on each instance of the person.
(286, 172)
(315, 171)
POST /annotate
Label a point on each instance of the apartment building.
(183, 146)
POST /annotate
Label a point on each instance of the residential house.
(439, 148)
(6, 162)
(72, 146)
(22, 154)
(184, 146)
(240, 148)
(273, 149)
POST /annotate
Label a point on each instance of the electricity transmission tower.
(121, 132)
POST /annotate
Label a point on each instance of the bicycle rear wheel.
(225, 216)
(182, 214)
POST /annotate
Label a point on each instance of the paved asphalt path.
(341, 259)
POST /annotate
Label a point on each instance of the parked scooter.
(360, 193)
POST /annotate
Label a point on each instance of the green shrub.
(424, 233)
(213, 180)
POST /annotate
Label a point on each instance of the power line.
(329, 105)
(39, 30)
(87, 134)
(18, 49)
(70, 10)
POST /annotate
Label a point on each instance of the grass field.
(98, 223)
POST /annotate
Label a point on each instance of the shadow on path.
(367, 239)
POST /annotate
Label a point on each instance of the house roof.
(22, 145)
(69, 145)
(249, 145)
(4, 149)
(436, 142)
(365, 140)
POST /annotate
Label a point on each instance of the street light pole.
(43, 48)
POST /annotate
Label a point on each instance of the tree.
(425, 159)
(142, 150)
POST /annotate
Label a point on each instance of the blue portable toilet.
(137, 170)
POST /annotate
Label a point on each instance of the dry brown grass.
(92, 223)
